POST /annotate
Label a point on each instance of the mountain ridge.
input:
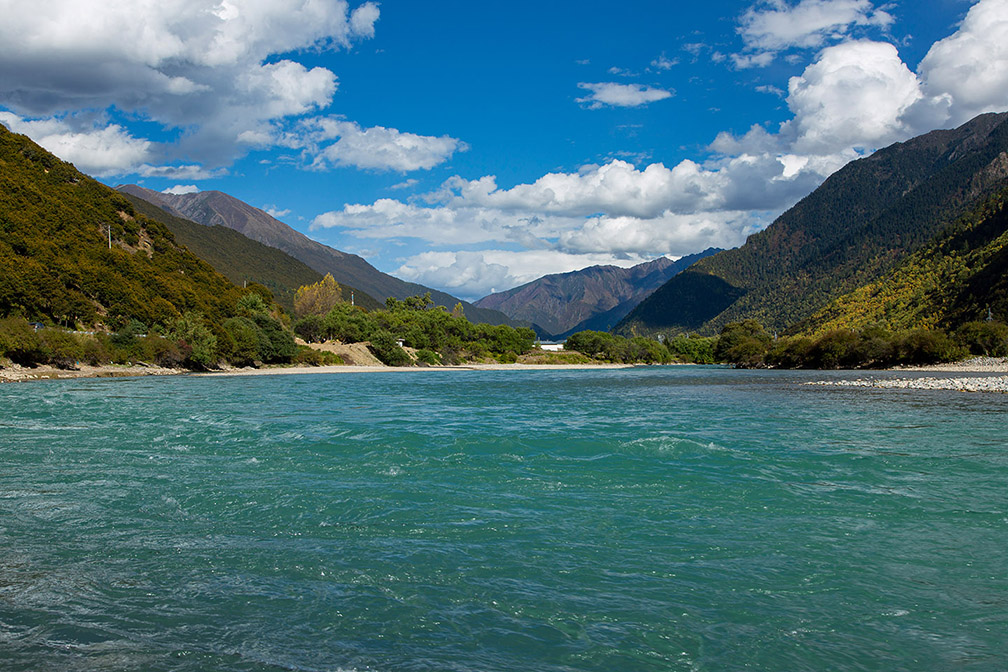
(217, 208)
(594, 298)
(857, 226)
(242, 259)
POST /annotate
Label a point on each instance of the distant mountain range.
(858, 228)
(593, 298)
(214, 208)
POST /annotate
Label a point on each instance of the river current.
(654, 518)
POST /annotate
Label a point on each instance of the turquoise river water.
(668, 518)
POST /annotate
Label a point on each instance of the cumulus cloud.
(774, 26)
(663, 62)
(620, 95)
(855, 97)
(200, 65)
(966, 74)
(102, 152)
(336, 142)
(472, 274)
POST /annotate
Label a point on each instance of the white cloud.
(472, 275)
(405, 184)
(180, 189)
(620, 95)
(967, 72)
(275, 212)
(330, 141)
(663, 62)
(200, 65)
(776, 25)
(102, 152)
(854, 96)
(179, 172)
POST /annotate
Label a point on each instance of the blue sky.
(475, 146)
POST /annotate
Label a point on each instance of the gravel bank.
(957, 383)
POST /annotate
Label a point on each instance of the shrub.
(791, 353)
(61, 348)
(195, 340)
(428, 357)
(19, 342)
(835, 350)
(276, 344)
(161, 351)
(742, 343)
(694, 349)
(244, 340)
(306, 356)
(925, 346)
(984, 338)
(386, 349)
(311, 328)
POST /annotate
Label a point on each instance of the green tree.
(195, 340)
(742, 343)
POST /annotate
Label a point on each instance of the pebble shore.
(960, 383)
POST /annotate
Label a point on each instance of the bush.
(837, 349)
(693, 349)
(245, 337)
(276, 344)
(19, 342)
(60, 348)
(195, 341)
(925, 346)
(988, 339)
(311, 328)
(742, 344)
(161, 351)
(306, 356)
(386, 349)
(428, 357)
(791, 353)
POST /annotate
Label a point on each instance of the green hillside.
(957, 278)
(242, 259)
(56, 261)
(854, 229)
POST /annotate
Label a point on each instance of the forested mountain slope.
(855, 228)
(75, 252)
(961, 276)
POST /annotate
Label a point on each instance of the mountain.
(216, 208)
(855, 228)
(593, 298)
(73, 251)
(242, 259)
(960, 276)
